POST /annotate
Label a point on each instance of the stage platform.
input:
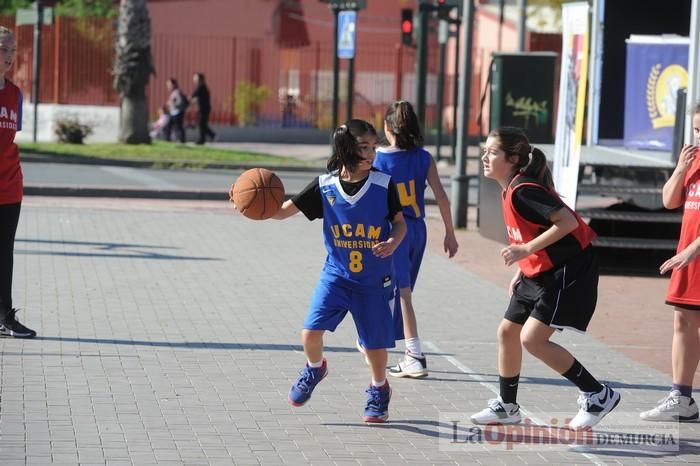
(614, 154)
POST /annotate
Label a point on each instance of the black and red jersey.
(521, 230)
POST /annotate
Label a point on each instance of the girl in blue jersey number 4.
(555, 286)
(362, 227)
(411, 167)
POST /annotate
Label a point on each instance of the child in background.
(410, 167)
(362, 227)
(683, 189)
(159, 125)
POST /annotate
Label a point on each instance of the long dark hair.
(529, 160)
(346, 150)
(403, 124)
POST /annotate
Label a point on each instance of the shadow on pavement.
(132, 255)
(554, 381)
(101, 244)
(196, 344)
(120, 250)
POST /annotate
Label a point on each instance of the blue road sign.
(347, 25)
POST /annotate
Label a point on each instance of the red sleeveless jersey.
(684, 287)
(11, 180)
(521, 230)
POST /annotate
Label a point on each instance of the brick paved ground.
(169, 335)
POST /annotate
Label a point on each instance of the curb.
(29, 157)
(123, 192)
(138, 193)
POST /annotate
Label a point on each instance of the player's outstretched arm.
(287, 210)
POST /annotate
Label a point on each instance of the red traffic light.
(407, 26)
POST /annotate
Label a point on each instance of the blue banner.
(657, 67)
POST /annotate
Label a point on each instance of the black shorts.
(687, 307)
(564, 297)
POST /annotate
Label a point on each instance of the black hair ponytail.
(537, 168)
(403, 123)
(530, 161)
(346, 150)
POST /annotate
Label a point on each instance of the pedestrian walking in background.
(11, 186)
(158, 126)
(683, 190)
(177, 105)
(411, 167)
(203, 99)
(362, 227)
(556, 286)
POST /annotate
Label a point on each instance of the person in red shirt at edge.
(555, 287)
(683, 190)
(11, 186)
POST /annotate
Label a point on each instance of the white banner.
(572, 99)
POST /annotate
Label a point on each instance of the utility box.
(522, 95)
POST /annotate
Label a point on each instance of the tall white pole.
(595, 71)
(693, 68)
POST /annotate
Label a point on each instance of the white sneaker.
(593, 407)
(410, 366)
(675, 407)
(361, 349)
(498, 412)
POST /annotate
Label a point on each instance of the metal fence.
(295, 82)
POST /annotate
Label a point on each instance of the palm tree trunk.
(133, 66)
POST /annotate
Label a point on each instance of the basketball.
(258, 193)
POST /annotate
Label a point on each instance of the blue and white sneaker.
(302, 389)
(377, 408)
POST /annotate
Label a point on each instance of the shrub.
(247, 97)
(71, 130)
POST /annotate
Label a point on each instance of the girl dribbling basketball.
(362, 227)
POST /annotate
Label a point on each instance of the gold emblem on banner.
(662, 88)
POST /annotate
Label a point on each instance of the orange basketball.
(258, 193)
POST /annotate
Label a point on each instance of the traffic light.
(407, 26)
(444, 7)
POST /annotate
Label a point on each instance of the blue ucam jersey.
(352, 225)
(409, 170)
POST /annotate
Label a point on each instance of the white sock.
(413, 346)
(315, 365)
(379, 383)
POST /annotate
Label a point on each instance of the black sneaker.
(13, 328)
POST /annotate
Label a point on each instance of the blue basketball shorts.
(372, 310)
(409, 255)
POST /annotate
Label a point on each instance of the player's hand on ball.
(257, 194)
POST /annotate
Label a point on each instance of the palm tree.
(133, 66)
